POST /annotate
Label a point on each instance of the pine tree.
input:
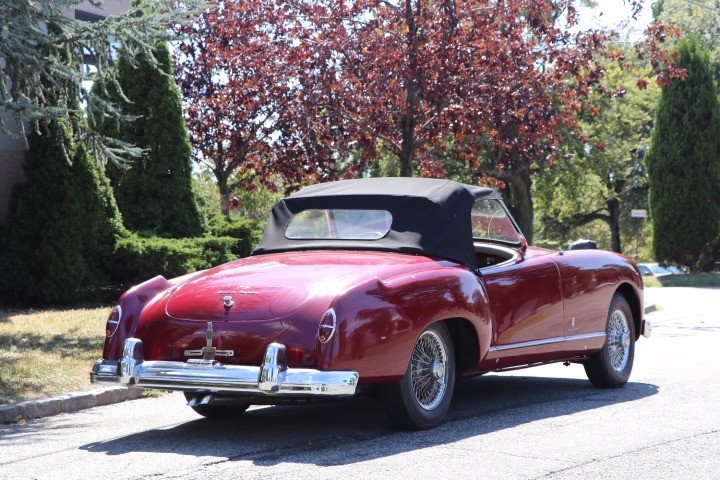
(44, 52)
(684, 164)
(156, 192)
(63, 223)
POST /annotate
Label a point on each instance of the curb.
(67, 403)
(650, 308)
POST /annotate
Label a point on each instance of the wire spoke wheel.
(428, 372)
(612, 365)
(618, 338)
(422, 397)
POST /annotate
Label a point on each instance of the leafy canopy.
(603, 176)
(46, 56)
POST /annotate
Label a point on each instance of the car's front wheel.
(421, 399)
(226, 410)
(611, 366)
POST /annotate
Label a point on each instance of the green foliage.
(684, 164)
(246, 232)
(62, 225)
(44, 54)
(590, 191)
(700, 20)
(139, 258)
(156, 192)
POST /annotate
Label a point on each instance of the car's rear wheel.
(421, 399)
(611, 366)
(227, 410)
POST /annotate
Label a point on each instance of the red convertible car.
(400, 285)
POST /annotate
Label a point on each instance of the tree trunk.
(519, 201)
(407, 149)
(222, 180)
(613, 206)
(406, 154)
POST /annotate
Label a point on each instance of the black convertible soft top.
(429, 216)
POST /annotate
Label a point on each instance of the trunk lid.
(273, 286)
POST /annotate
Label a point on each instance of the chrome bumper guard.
(646, 329)
(273, 377)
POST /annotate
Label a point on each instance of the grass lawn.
(44, 353)
(689, 280)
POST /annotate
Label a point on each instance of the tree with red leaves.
(497, 85)
(237, 72)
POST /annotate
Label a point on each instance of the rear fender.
(379, 321)
(132, 303)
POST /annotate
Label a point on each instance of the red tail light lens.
(113, 321)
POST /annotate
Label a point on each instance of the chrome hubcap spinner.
(428, 372)
(618, 340)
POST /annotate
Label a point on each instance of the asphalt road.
(547, 422)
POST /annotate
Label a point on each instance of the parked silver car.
(657, 270)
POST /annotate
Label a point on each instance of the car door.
(525, 296)
(523, 288)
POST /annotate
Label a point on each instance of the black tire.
(217, 411)
(611, 366)
(434, 376)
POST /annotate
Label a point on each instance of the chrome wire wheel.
(428, 370)
(618, 340)
(610, 367)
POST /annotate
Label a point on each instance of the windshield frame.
(516, 228)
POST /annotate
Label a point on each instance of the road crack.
(624, 454)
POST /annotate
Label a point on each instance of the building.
(12, 150)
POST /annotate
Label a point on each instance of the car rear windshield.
(339, 224)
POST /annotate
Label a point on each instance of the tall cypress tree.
(684, 164)
(156, 192)
(63, 223)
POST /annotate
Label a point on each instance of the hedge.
(246, 232)
(137, 259)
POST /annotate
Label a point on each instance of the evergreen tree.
(63, 223)
(684, 164)
(156, 192)
(44, 51)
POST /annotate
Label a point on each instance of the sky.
(616, 15)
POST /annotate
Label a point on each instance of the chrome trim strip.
(201, 352)
(273, 377)
(545, 341)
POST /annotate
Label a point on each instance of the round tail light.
(113, 321)
(328, 323)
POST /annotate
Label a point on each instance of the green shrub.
(137, 258)
(62, 225)
(156, 193)
(246, 232)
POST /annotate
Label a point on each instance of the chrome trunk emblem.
(227, 303)
(209, 352)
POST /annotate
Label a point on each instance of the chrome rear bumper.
(273, 377)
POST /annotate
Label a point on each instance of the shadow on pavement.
(354, 430)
